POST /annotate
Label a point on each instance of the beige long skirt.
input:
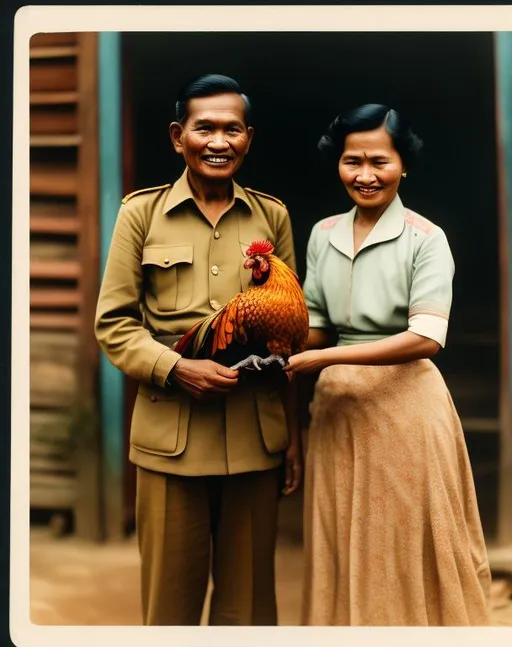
(392, 533)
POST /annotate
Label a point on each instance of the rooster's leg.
(255, 362)
(273, 358)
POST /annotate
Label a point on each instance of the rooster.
(265, 324)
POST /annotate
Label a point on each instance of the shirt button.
(215, 270)
(215, 304)
(166, 261)
(216, 235)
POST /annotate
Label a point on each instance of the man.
(208, 444)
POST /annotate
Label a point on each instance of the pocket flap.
(160, 422)
(167, 255)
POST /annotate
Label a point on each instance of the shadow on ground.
(79, 583)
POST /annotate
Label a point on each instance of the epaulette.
(328, 223)
(420, 222)
(146, 190)
(265, 195)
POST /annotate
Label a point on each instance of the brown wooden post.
(88, 511)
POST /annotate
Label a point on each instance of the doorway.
(297, 83)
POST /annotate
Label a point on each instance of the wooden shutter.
(63, 262)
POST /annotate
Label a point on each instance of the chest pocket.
(171, 274)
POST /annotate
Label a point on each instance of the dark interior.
(298, 82)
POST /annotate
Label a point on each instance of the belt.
(168, 340)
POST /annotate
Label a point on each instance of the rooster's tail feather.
(229, 326)
(193, 341)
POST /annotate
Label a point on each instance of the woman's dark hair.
(369, 117)
(208, 85)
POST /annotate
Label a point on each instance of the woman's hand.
(397, 349)
(310, 361)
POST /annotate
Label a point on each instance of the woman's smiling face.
(371, 169)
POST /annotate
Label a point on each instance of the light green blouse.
(400, 279)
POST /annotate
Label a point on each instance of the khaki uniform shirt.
(167, 268)
(400, 279)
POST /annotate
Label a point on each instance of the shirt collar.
(389, 226)
(180, 192)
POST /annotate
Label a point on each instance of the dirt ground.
(79, 583)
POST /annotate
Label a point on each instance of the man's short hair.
(208, 85)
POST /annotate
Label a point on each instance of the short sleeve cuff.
(163, 366)
(318, 320)
(430, 326)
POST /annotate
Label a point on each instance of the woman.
(392, 530)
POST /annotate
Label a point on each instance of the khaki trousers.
(180, 519)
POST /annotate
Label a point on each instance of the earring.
(404, 174)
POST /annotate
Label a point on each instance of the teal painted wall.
(504, 79)
(503, 50)
(111, 379)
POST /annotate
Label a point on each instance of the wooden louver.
(63, 222)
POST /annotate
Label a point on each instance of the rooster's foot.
(254, 362)
(250, 363)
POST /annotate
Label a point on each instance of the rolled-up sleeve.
(313, 292)
(119, 325)
(431, 289)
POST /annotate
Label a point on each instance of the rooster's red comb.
(260, 247)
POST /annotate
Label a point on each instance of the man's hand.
(294, 468)
(202, 378)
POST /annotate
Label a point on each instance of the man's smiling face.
(214, 137)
